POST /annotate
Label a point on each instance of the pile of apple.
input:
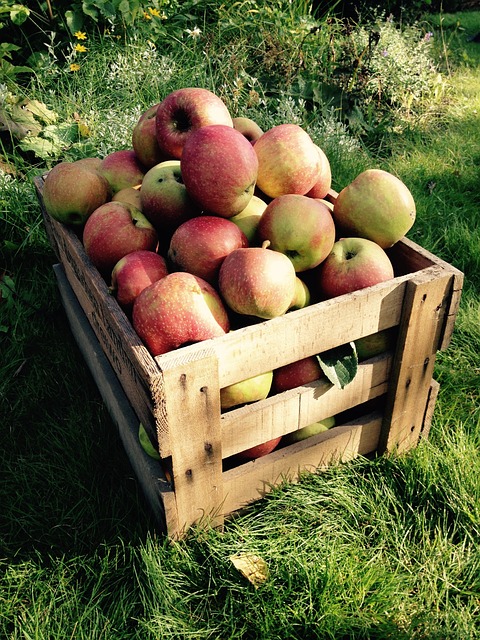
(208, 223)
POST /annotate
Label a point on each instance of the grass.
(382, 548)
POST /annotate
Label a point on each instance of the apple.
(300, 227)
(88, 163)
(376, 205)
(288, 161)
(130, 195)
(259, 450)
(219, 168)
(144, 139)
(354, 263)
(248, 127)
(249, 390)
(133, 273)
(178, 310)
(112, 231)
(309, 430)
(302, 296)
(375, 343)
(257, 281)
(296, 374)
(164, 198)
(323, 183)
(122, 169)
(71, 192)
(201, 244)
(247, 220)
(183, 111)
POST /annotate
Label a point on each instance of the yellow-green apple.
(257, 281)
(201, 244)
(309, 430)
(259, 450)
(165, 200)
(219, 168)
(249, 390)
(354, 263)
(375, 343)
(248, 127)
(133, 273)
(177, 310)
(296, 374)
(112, 231)
(71, 192)
(89, 163)
(302, 296)
(288, 161)
(130, 195)
(247, 220)
(144, 139)
(376, 205)
(300, 227)
(183, 111)
(324, 179)
(122, 169)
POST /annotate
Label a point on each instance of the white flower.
(194, 33)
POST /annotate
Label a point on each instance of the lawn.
(376, 548)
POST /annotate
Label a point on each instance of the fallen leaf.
(251, 566)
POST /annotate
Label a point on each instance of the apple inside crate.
(387, 407)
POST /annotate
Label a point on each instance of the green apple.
(375, 343)
(310, 430)
(302, 296)
(249, 218)
(249, 390)
(376, 205)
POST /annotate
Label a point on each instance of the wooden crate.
(386, 408)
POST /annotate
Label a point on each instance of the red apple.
(296, 374)
(300, 227)
(144, 139)
(219, 168)
(354, 263)
(201, 244)
(133, 273)
(186, 110)
(324, 179)
(246, 391)
(112, 231)
(257, 281)
(71, 192)
(178, 310)
(288, 161)
(89, 163)
(248, 127)
(259, 450)
(122, 169)
(376, 205)
(164, 198)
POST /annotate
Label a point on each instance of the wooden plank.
(429, 409)
(412, 369)
(191, 405)
(157, 489)
(253, 480)
(285, 412)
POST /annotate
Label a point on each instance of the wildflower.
(74, 67)
(80, 35)
(147, 16)
(194, 33)
(80, 48)
(384, 53)
(427, 36)
(154, 12)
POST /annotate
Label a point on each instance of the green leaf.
(340, 365)
(146, 443)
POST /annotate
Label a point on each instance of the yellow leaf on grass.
(251, 566)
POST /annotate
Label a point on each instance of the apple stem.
(266, 244)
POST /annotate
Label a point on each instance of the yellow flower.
(80, 48)
(154, 12)
(80, 35)
(74, 67)
(147, 16)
